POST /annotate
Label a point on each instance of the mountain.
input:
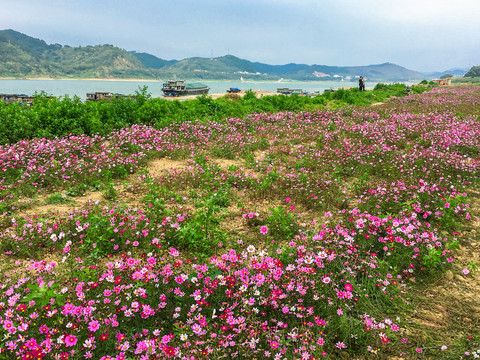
(231, 67)
(437, 74)
(24, 56)
(151, 61)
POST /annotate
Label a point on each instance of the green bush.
(51, 117)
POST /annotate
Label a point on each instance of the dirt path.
(448, 310)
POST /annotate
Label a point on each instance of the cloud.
(419, 34)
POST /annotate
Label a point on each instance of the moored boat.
(180, 87)
(105, 95)
(233, 90)
(18, 98)
(287, 91)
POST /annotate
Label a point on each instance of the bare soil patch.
(448, 310)
(156, 167)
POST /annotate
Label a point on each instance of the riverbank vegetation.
(466, 81)
(51, 117)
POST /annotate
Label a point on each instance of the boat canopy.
(195, 85)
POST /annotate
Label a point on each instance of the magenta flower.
(166, 339)
(70, 340)
(93, 325)
(274, 344)
(43, 329)
(264, 230)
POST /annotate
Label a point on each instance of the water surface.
(81, 87)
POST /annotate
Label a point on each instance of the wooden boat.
(180, 88)
(22, 99)
(287, 91)
(233, 90)
(105, 95)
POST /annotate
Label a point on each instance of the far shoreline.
(284, 81)
(80, 79)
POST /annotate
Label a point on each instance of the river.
(81, 87)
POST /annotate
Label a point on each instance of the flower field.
(274, 236)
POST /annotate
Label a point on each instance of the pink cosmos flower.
(8, 325)
(166, 339)
(93, 325)
(264, 230)
(70, 340)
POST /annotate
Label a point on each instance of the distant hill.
(234, 68)
(151, 61)
(437, 74)
(24, 56)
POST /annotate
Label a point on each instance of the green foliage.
(26, 56)
(43, 294)
(343, 95)
(466, 80)
(110, 193)
(282, 224)
(56, 198)
(473, 72)
(51, 117)
(100, 237)
(446, 76)
(77, 190)
(201, 232)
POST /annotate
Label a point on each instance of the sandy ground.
(259, 94)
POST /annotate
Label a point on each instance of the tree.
(446, 76)
(473, 72)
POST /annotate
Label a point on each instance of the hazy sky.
(423, 35)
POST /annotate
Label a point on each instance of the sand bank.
(258, 93)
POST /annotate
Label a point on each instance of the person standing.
(361, 84)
